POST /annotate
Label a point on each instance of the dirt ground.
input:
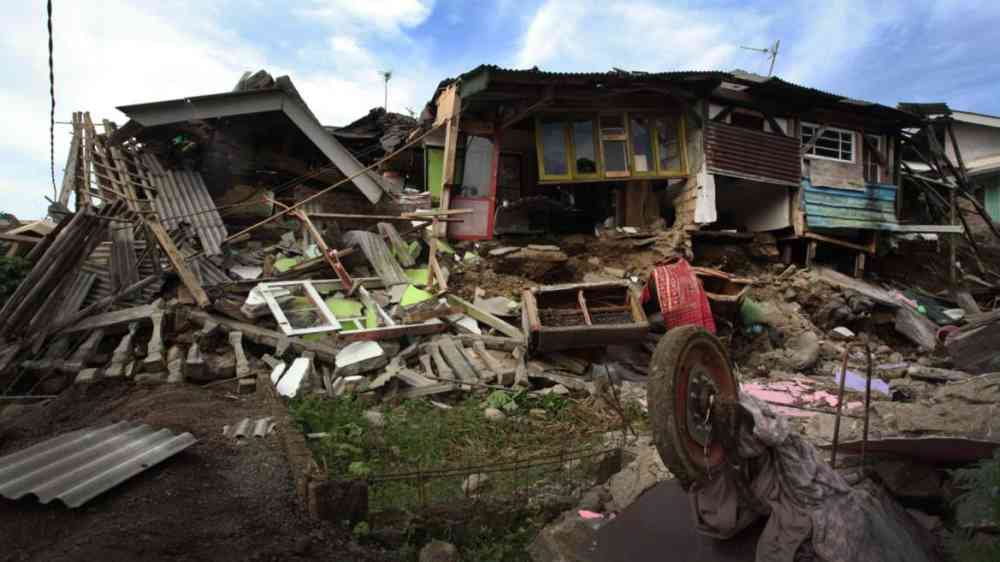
(218, 500)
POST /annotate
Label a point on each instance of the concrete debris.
(494, 414)
(475, 484)
(291, 382)
(439, 551)
(638, 476)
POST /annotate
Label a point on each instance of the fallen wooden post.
(486, 318)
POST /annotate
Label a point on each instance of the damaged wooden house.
(724, 152)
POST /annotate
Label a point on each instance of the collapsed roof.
(278, 102)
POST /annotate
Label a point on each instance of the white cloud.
(835, 37)
(386, 16)
(594, 35)
(117, 52)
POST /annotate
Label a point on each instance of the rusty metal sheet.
(78, 466)
(756, 155)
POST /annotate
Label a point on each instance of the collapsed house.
(233, 238)
(704, 151)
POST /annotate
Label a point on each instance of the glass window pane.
(583, 146)
(615, 156)
(667, 132)
(478, 167)
(642, 144)
(554, 150)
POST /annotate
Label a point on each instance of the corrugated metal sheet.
(871, 208)
(77, 294)
(181, 196)
(99, 264)
(754, 155)
(78, 466)
(208, 272)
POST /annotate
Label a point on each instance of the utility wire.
(52, 109)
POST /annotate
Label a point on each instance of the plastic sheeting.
(812, 513)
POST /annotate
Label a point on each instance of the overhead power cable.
(52, 109)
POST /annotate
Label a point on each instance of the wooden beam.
(109, 319)
(262, 336)
(177, 261)
(20, 239)
(812, 142)
(774, 124)
(719, 117)
(526, 110)
(486, 318)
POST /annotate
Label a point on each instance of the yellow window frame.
(540, 149)
(595, 139)
(599, 138)
(657, 170)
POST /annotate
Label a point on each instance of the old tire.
(681, 353)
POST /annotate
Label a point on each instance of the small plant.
(977, 507)
(12, 271)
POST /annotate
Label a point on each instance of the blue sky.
(116, 52)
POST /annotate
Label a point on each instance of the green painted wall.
(434, 166)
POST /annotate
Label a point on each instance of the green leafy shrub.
(12, 271)
(978, 506)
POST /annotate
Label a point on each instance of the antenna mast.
(387, 75)
(771, 52)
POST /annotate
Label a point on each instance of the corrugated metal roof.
(181, 196)
(78, 466)
(769, 86)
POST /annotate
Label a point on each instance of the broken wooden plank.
(263, 336)
(378, 255)
(187, 276)
(867, 289)
(917, 328)
(457, 360)
(486, 318)
(504, 375)
(444, 371)
(432, 326)
(112, 319)
(418, 391)
(399, 246)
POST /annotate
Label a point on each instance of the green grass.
(495, 526)
(418, 436)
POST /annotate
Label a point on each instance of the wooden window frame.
(811, 153)
(595, 139)
(623, 137)
(331, 324)
(540, 148)
(599, 138)
(880, 173)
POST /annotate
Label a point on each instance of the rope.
(52, 109)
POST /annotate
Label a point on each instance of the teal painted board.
(993, 200)
(871, 208)
(874, 215)
(850, 202)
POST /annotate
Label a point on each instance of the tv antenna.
(386, 75)
(771, 52)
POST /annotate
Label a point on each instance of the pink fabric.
(681, 297)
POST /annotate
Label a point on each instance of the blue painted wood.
(871, 208)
